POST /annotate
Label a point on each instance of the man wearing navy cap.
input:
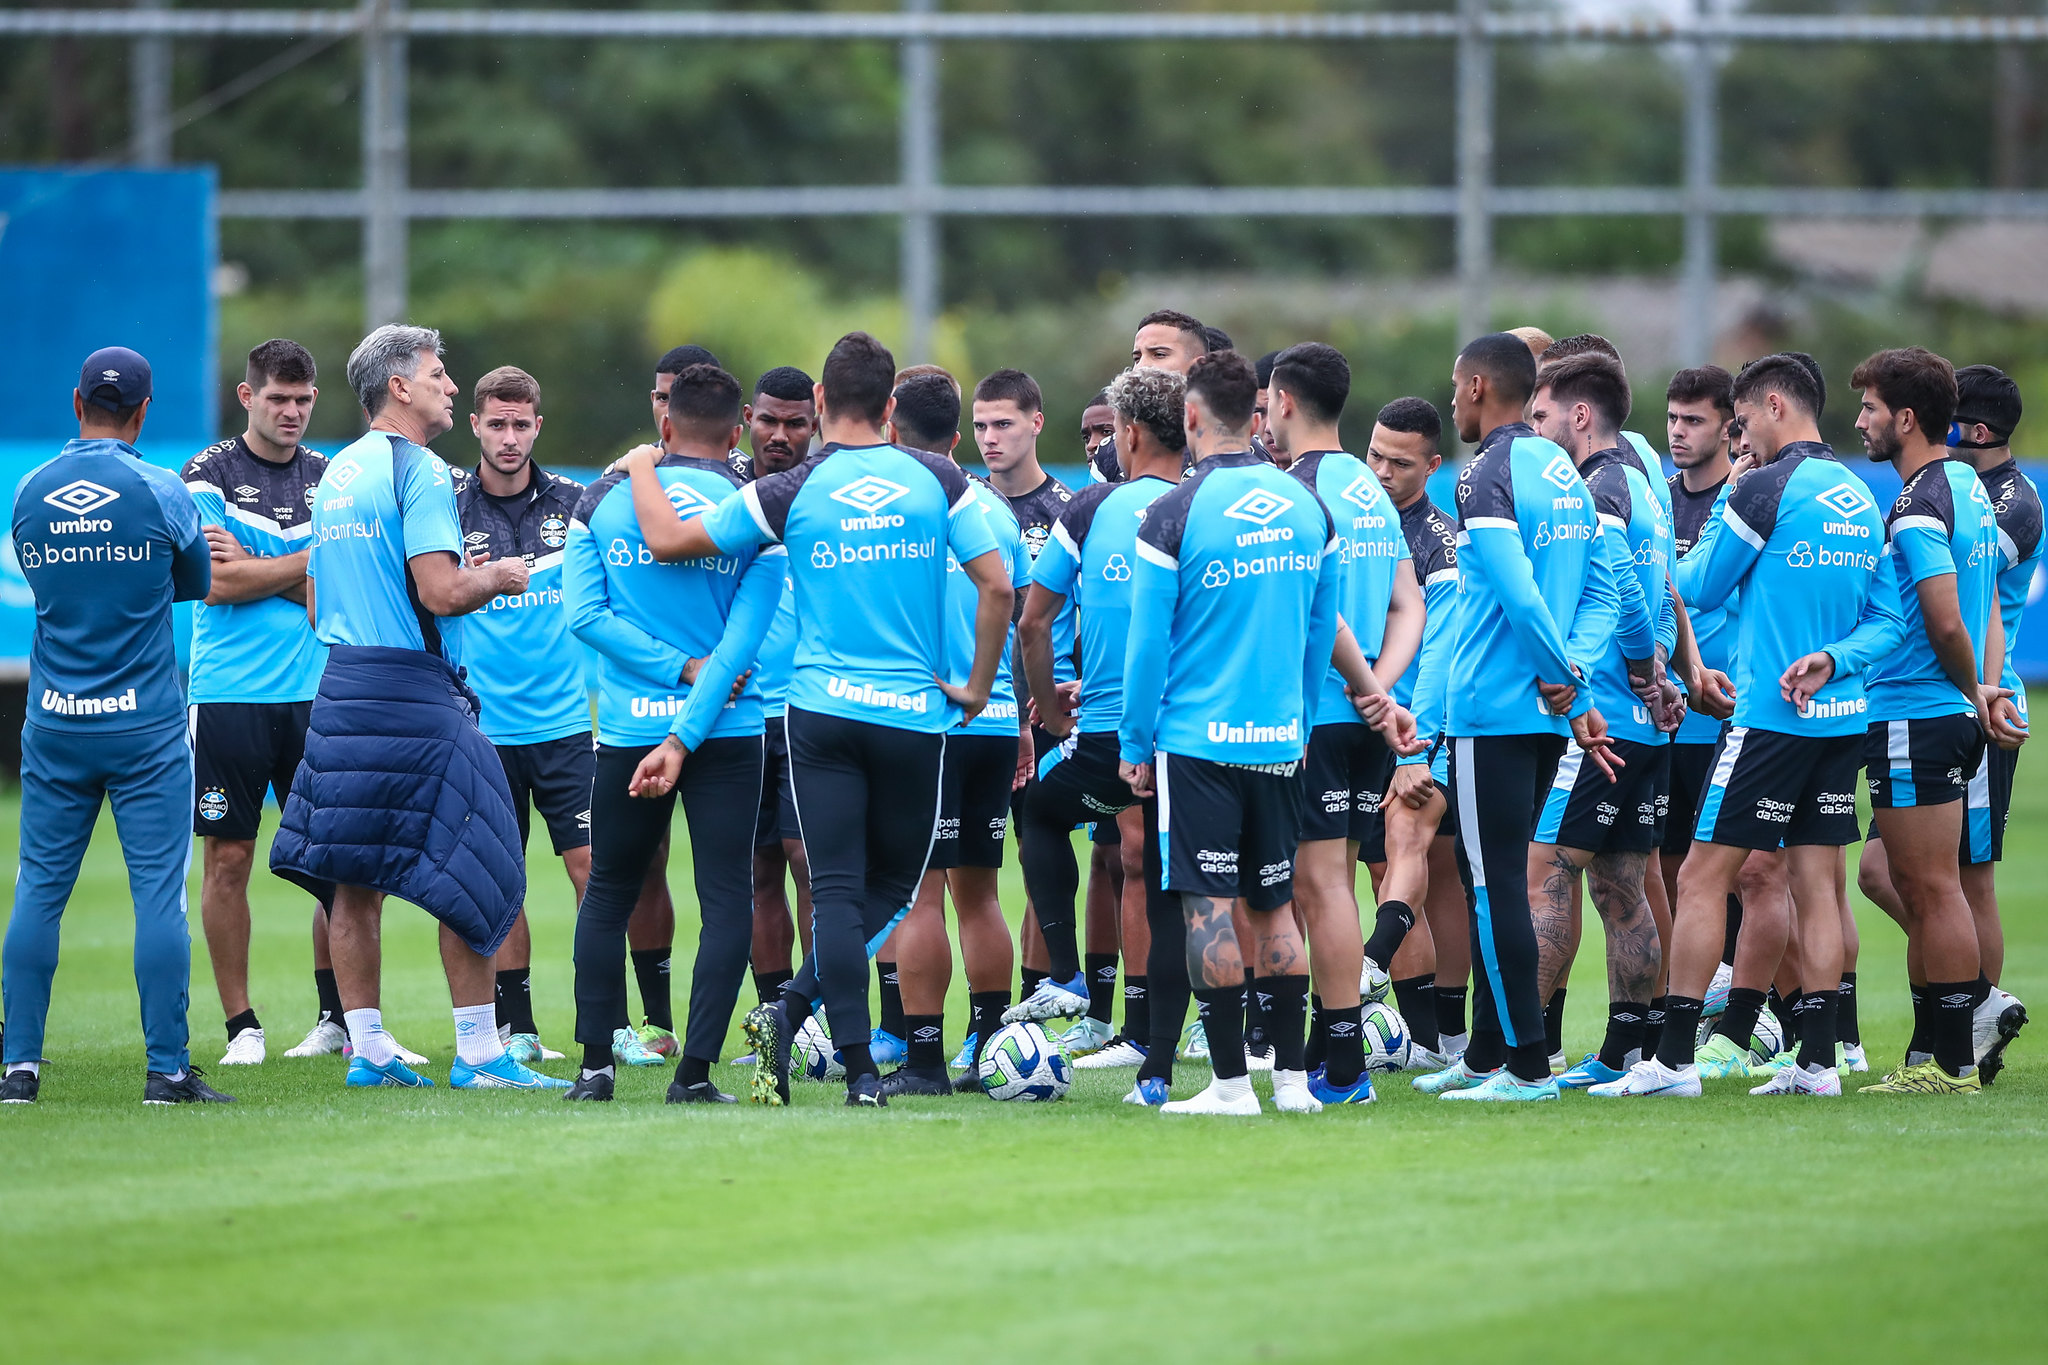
(107, 543)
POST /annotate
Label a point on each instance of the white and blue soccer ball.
(1766, 1041)
(1022, 1063)
(812, 1055)
(1385, 1032)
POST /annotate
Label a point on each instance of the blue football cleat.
(963, 1060)
(1151, 1091)
(1590, 1071)
(500, 1073)
(364, 1072)
(887, 1049)
(1504, 1086)
(1319, 1086)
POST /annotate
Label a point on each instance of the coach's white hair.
(393, 349)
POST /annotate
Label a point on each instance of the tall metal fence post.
(149, 81)
(1475, 171)
(384, 164)
(1702, 157)
(920, 167)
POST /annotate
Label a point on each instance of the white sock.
(367, 1036)
(1455, 1043)
(1235, 1088)
(1289, 1080)
(601, 1071)
(32, 1068)
(476, 1034)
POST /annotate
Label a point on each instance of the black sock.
(692, 1070)
(1257, 993)
(1923, 1020)
(768, 985)
(515, 1000)
(1414, 997)
(1027, 981)
(1390, 925)
(330, 996)
(1653, 1026)
(1488, 1050)
(1782, 1009)
(1529, 1062)
(1817, 1015)
(1317, 1050)
(1846, 1030)
(1222, 1013)
(1734, 929)
(1450, 1010)
(1955, 1048)
(1624, 1041)
(1345, 1061)
(650, 969)
(1553, 1025)
(597, 1056)
(1739, 1022)
(1980, 990)
(1101, 970)
(985, 1018)
(927, 1040)
(892, 999)
(1286, 1005)
(1681, 1031)
(246, 1019)
(1137, 1010)
(858, 1060)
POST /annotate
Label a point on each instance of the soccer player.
(676, 717)
(866, 525)
(1590, 820)
(255, 667)
(107, 542)
(672, 363)
(1536, 608)
(387, 585)
(1098, 424)
(1802, 541)
(1347, 765)
(976, 780)
(1166, 340)
(1239, 552)
(1932, 703)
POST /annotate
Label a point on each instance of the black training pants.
(867, 799)
(1166, 966)
(721, 790)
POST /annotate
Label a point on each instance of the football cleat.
(1558, 1061)
(766, 1030)
(1651, 1077)
(1257, 1060)
(1320, 1087)
(1589, 1072)
(887, 1049)
(405, 1054)
(1853, 1058)
(244, 1049)
(597, 1089)
(629, 1049)
(1052, 1000)
(157, 1088)
(918, 1081)
(1505, 1087)
(1150, 1091)
(1457, 1076)
(1996, 1023)
(864, 1091)
(1117, 1052)
(500, 1073)
(1421, 1058)
(527, 1048)
(325, 1039)
(20, 1087)
(660, 1041)
(1721, 1057)
(963, 1060)
(1716, 1003)
(1086, 1038)
(697, 1092)
(1291, 1093)
(364, 1072)
(1797, 1080)
(1194, 1043)
(1927, 1078)
(1214, 1099)
(1373, 982)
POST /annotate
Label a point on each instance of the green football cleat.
(1721, 1058)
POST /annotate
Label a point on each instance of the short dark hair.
(283, 360)
(1584, 343)
(1264, 366)
(928, 411)
(1987, 394)
(1417, 415)
(99, 415)
(1216, 339)
(1820, 381)
(786, 382)
(1179, 321)
(1227, 386)
(1506, 362)
(1012, 385)
(508, 383)
(1912, 377)
(681, 358)
(1705, 384)
(1317, 376)
(1784, 374)
(1591, 377)
(859, 375)
(705, 402)
(1100, 400)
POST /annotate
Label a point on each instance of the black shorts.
(241, 749)
(1229, 830)
(1343, 780)
(974, 801)
(1769, 790)
(1989, 798)
(555, 778)
(1584, 810)
(1690, 766)
(1921, 762)
(1372, 843)
(776, 820)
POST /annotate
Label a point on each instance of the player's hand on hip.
(657, 773)
(970, 702)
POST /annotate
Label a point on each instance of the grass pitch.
(309, 1222)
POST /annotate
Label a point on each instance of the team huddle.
(1241, 658)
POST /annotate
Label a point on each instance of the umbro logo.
(477, 538)
(244, 493)
(1364, 492)
(1259, 507)
(687, 501)
(1846, 500)
(79, 497)
(869, 494)
(1561, 472)
(343, 474)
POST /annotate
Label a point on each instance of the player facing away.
(1802, 541)
(255, 667)
(1238, 553)
(107, 542)
(866, 525)
(1536, 607)
(677, 718)
(387, 586)
(1934, 701)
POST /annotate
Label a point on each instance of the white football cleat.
(244, 1049)
(1795, 1079)
(1651, 1077)
(1234, 1098)
(1995, 1024)
(1121, 1052)
(326, 1039)
(1259, 1061)
(1291, 1096)
(1853, 1058)
(1373, 982)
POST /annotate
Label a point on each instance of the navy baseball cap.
(114, 378)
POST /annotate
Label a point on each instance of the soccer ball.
(1386, 1038)
(812, 1055)
(1021, 1063)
